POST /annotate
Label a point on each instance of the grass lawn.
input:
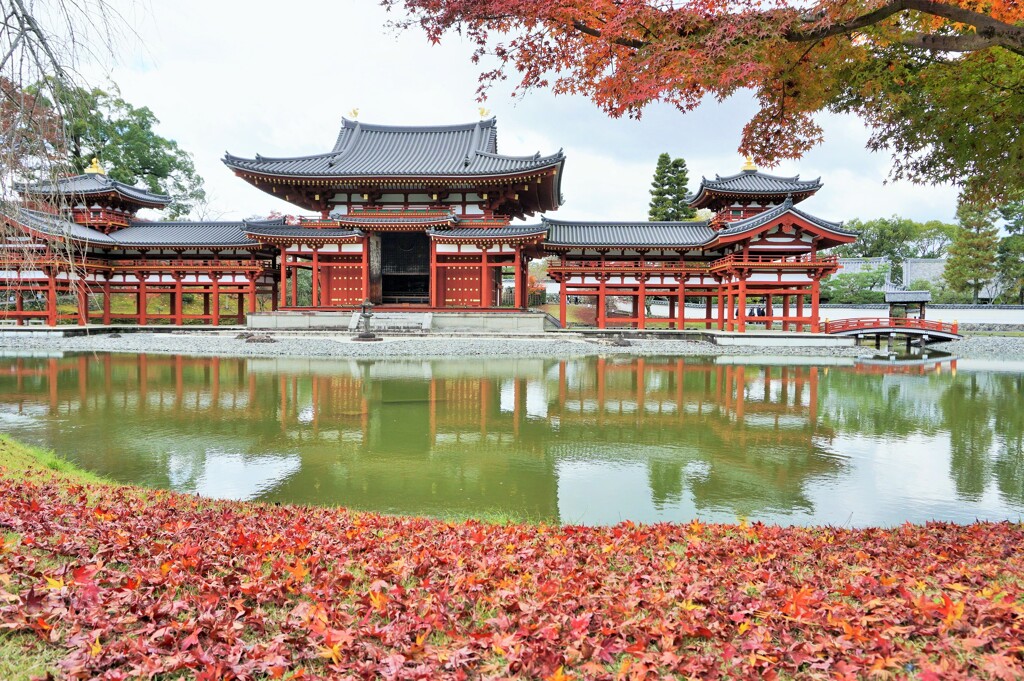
(98, 579)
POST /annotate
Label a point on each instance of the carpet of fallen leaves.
(131, 583)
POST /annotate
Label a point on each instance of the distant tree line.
(979, 257)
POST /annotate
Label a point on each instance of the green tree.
(1010, 263)
(890, 238)
(972, 255)
(855, 287)
(101, 124)
(941, 292)
(933, 239)
(1013, 214)
(668, 191)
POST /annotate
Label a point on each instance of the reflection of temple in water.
(452, 437)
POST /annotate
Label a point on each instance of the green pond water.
(595, 440)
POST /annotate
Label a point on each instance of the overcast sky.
(275, 78)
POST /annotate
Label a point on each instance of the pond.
(590, 440)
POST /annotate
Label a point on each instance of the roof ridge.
(445, 127)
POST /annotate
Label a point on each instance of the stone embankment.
(341, 346)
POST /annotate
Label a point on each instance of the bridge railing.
(874, 323)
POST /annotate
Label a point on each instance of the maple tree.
(937, 82)
(131, 583)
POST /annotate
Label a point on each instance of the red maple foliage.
(135, 583)
(911, 68)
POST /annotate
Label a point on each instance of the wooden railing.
(675, 266)
(807, 260)
(873, 323)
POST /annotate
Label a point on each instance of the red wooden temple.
(412, 218)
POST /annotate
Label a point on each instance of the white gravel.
(341, 346)
(219, 344)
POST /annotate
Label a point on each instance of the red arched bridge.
(923, 329)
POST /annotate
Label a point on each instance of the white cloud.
(275, 79)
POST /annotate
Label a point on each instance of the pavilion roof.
(755, 221)
(752, 183)
(139, 234)
(566, 233)
(371, 150)
(82, 187)
(383, 218)
(183, 233)
(53, 225)
(508, 231)
(270, 230)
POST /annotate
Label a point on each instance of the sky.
(275, 79)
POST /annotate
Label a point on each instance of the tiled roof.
(786, 206)
(367, 150)
(53, 225)
(140, 233)
(564, 233)
(297, 231)
(91, 184)
(894, 293)
(754, 183)
(477, 232)
(182, 233)
(412, 220)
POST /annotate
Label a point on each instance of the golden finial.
(95, 168)
(749, 165)
(354, 114)
(484, 113)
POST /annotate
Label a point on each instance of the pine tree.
(668, 191)
(972, 255)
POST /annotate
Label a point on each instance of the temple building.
(426, 218)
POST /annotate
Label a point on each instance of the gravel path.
(341, 346)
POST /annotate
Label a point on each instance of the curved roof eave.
(547, 163)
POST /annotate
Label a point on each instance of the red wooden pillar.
(642, 300)
(177, 298)
(785, 313)
(800, 311)
(707, 311)
(316, 280)
(141, 299)
(741, 303)
(602, 303)
(562, 313)
(768, 311)
(106, 302)
(215, 299)
(485, 278)
(240, 308)
(252, 293)
(721, 294)
(19, 306)
(206, 304)
(435, 282)
(82, 296)
(51, 296)
(519, 283)
(283, 286)
(273, 295)
(815, 295)
(681, 323)
(366, 267)
(671, 312)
